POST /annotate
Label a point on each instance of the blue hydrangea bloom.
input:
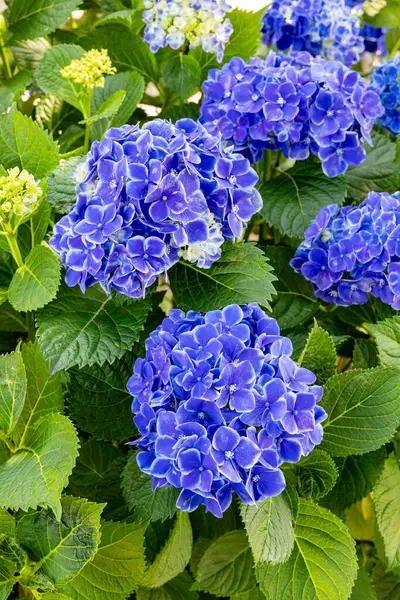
(220, 406)
(327, 28)
(148, 196)
(385, 82)
(354, 251)
(295, 103)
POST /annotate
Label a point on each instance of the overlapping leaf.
(34, 18)
(12, 390)
(387, 509)
(319, 354)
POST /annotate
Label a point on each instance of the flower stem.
(87, 115)
(4, 58)
(14, 248)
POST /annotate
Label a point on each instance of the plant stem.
(14, 248)
(4, 58)
(30, 325)
(87, 115)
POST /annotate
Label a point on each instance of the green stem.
(4, 58)
(14, 248)
(87, 115)
(30, 325)
(394, 49)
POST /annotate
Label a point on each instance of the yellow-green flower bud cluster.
(90, 69)
(19, 194)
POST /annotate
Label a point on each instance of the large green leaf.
(12, 559)
(117, 568)
(378, 172)
(226, 567)
(84, 329)
(34, 18)
(246, 35)
(182, 75)
(323, 564)
(24, 144)
(11, 89)
(176, 589)
(317, 474)
(137, 489)
(362, 589)
(61, 185)
(363, 409)
(107, 109)
(12, 390)
(387, 337)
(365, 354)
(319, 355)
(62, 548)
(99, 401)
(7, 522)
(35, 474)
(386, 585)
(241, 275)
(44, 394)
(174, 556)
(357, 477)
(387, 509)
(269, 529)
(36, 282)
(294, 198)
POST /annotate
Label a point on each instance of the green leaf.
(246, 35)
(3, 295)
(387, 337)
(44, 395)
(363, 410)
(36, 283)
(7, 522)
(11, 320)
(29, 53)
(11, 89)
(295, 302)
(378, 172)
(317, 474)
(62, 549)
(386, 585)
(241, 275)
(12, 559)
(176, 589)
(269, 529)
(25, 145)
(174, 556)
(357, 477)
(61, 185)
(290, 493)
(84, 329)
(43, 463)
(323, 564)
(362, 589)
(108, 108)
(34, 18)
(226, 567)
(182, 74)
(386, 13)
(117, 568)
(148, 505)
(130, 18)
(51, 81)
(12, 390)
(365, 354)
(129, 81)
(387, 509)
(292, 200)
(319, 355)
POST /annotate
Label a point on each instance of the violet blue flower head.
(297, 104)
(220, 406)
(149, 196)
(385, 82)
(352, 251)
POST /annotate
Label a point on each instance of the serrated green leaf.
(133, 84)
(11, 89)
(377, 173)
(35, 284)
(174, 556)
(292, 200)
(85, 329)
(25, 145)
(357, 477)
(3, 295)
(148, 505)
(176, 589)
(365, 354)
(130, 18)
(7, 522)
(387, 509)
(108, 108)
(290, 493)
(11, 320)
(63, 548)
(226, 567)
(254, 594)
(269, 529)
(33, 232)
(61, 185)
(323, 565)
(182, 75)
(117, 568)
(246, 35)
(29, 53)
(44, 395)
(386, 585)
(12, 390)
(12, 559)
(319, 354)
(43, 463)
(317, 474)
(49, 76)
(363, 410)
(387, 337)
(362, 589)
(34, 18)
(241, 275)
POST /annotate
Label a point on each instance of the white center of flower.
(239, 76)
(233, 387)
(164, 197)
(229, 454)
(232, 180)
(201, 415)
(254, 97)
(235, 209)
(339, 151)
(281, 101)
(256, 478)
(227, 94)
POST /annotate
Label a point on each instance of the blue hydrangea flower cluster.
(326, 28)
(374, 37)
(293, 103)
(385, 82)
(220, 406)
(148, 196)
(351, 251)
(196, 22)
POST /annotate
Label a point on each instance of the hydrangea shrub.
(199, 286)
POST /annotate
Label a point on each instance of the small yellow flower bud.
(19, 193)
(90, 69)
